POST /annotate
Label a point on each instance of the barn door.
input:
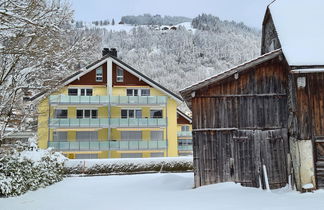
(319, 162)
(243, 155)
(274, 147)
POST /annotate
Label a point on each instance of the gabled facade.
(109, 110)
(263, 121)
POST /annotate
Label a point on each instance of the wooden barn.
(263, 121)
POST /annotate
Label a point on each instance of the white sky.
(248, 11)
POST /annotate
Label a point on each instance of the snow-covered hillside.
(158, 192)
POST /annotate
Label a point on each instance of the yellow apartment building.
(111, 110)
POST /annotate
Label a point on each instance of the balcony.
(185, 145)
(185, 148)
(108, 123)
(105, 100)
(185, 134)
(108, 145)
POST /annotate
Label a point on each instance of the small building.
(263, 121)
(109, 110)
(184, 129)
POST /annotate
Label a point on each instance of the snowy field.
(157, 192)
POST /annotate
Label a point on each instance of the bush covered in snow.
(23, 170)
(128, 165)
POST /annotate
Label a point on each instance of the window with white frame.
(131, 113)
(87, 113)
(145, 92)
(61, 113)
(80, 91)
(99, 74)
(120, 75)
(185, 128)
(156, 113)
(138, 92)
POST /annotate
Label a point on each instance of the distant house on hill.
(264, 120)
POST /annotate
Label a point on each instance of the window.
(87, 113)
(145, 92)
(86, 156)
(61, 113)
(85, 136)
(138, 92)
(131, 113)
(131, 135)
(185, 128)
(80, 92)
(132, 92)
(99, 75)
(72, 91)
(156, 135)
(85, 92)
(60, 136)
(156, 113)
(157, 154)
(120, 75)
(131, 155)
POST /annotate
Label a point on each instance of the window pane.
(60, 136)
(138, 113)
(61, 113)
(131, 135)
(120, 75)
(156, 113)
(73, 92)
(156, 135)
(99, 74)
(129, 92)
(131, 113)
(145, 92)
(94, 113)
(135, 92)
(89, 92)
(123, 113)
(82, 92)
(79, 113)
(87, 113)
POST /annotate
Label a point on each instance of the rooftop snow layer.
(300, 27)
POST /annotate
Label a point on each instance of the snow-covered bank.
(157, 191)
(128, 165)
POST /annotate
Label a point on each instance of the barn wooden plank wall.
(239, 124)
(306, 107)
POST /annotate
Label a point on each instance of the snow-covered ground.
(158, 192)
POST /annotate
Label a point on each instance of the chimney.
(111, 51)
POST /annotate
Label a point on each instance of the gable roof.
(184, 115)
(300, 28)
(186, 93)
(119, 62)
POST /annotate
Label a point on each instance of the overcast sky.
(248, 11)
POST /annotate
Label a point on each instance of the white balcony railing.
(108, 145)
(107, 123)
(104, 100)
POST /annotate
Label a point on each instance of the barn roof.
(300, 28)
(188, 92)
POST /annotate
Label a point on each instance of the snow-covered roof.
(300, 28)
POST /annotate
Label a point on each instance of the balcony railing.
(108, 145)
(185, 147)
(184, 134)
(104, 100)
(108, 123)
